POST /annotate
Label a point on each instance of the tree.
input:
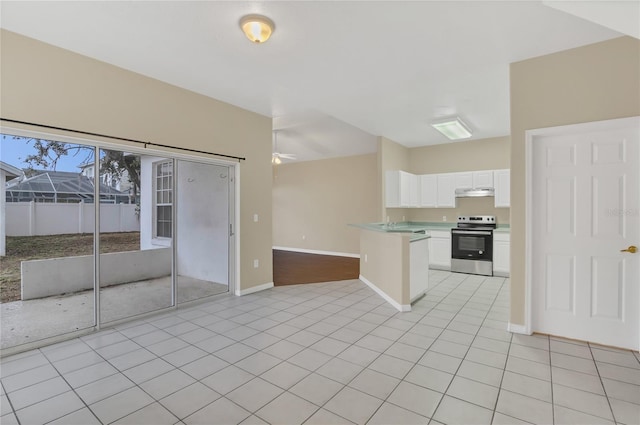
(48, 152)
(116, 163)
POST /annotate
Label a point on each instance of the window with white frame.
(164, 198)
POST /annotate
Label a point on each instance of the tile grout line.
(504, 368)
(13, 411)
(377, 357)
(282, 361)
(167, 315)
(469, 348)
(450, 296)
(72, 389)
(364, 368)
(416, 362)
(119, 372)
(240, 341)
(443, 329)
(604, 389)
(553, 404)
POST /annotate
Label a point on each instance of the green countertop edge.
(418, 225)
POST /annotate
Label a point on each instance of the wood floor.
(291, 268)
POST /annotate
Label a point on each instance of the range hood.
(475, 193)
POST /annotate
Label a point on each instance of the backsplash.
(466, 206)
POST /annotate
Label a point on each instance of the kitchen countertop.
(417, 231)
(414, 227)
(503, 228)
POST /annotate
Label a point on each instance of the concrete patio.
(28, 321)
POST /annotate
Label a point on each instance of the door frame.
(530, 138)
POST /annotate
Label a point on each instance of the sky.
(13, 151)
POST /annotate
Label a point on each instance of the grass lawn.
(21, 248)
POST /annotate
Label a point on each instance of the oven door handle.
(472, 232)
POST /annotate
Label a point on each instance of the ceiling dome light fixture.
(257, 28)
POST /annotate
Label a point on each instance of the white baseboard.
(318, 252)
(387, 298)
(253, 289)
(518, 329)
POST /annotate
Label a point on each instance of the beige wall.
(473, 155)
(385, 262)
(391, 156)
(591, 83)
(48, 85)
(466, 206)
(317, 199)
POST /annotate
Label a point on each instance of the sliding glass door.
(203, 229)
(148, 231)
(47, 235)
(136, 234)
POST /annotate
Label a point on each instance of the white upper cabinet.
(464, 180)
(401, 189)
(483, 179)
(474, 179)
(502, 184)
(428, 191)
(406, 190)
(446, 197)
(409, 187)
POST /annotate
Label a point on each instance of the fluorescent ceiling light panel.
(453, 128)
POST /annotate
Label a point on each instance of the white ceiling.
(334, 74)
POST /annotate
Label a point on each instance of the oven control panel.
(477, 219)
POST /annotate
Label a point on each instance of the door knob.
(632, 249)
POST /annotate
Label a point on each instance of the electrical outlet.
(255, 218)
(304, 237)
(256, 264)
(444, 218)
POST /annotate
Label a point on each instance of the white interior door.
(585, 210)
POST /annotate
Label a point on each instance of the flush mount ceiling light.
(257, 28)
(454, 128)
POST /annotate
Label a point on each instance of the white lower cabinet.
(419, 270)
(440, 249)
(501, 254)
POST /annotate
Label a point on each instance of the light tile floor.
(328, 353)
(31, 320)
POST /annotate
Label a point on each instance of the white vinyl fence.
(38, 218)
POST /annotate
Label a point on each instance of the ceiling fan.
(277, 157)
